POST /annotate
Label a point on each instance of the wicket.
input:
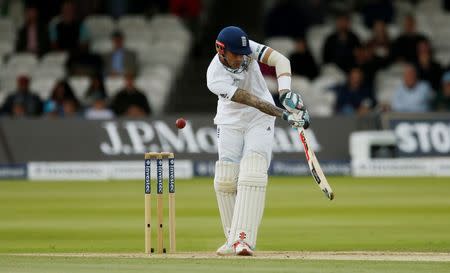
(159, 201)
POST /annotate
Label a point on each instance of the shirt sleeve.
(258, 50)
(222, 86)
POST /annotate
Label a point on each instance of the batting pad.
(225, 185)
(250, 199)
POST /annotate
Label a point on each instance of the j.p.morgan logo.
(137, 137)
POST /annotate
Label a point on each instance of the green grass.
(108, 265)
(385, 214)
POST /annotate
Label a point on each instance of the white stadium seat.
(80, 85)
(386, 83)
(23, 59)
(157, 92)
(113, 85)
(132, 21)
(284, 45)
(7, 30)
(316, 36)
(101, 46)
(99, 26)
(165, 21)
(54, 59)
(6, 47)
(43, 86)
(56, 72)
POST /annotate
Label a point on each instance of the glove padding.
(292, 102)
(297, 120)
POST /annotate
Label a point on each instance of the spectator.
(405, 46)
(380, 42)
(98, 108)
(84, 63)
(61, 93)
(368, 63)
(285, 18)
(67, 32)
(22, 102)
(412, 95)
(33, 35)
(339, 45)
(130, 101)
(427, 68)
(442, 102)
(354, 96)
(70, 108)
(378, 10)
(96, 90)
(120, 60)
(302, 61)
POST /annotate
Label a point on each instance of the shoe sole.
(244, 252)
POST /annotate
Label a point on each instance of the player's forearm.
(282, 68)
(247, 98)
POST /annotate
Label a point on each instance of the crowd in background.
(425, 82)
(58, 26)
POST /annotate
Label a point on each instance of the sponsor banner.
(124, 140)
(13, 171)
(420, 135)
(283, 168)
(402, 167)
(102, 170)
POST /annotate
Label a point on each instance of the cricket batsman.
(245, 122)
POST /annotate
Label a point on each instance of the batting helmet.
(233, 39)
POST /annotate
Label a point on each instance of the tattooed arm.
(247, 98)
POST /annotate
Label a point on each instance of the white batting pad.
(225, 185)
(250, 199)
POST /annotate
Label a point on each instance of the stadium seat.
(99, 26)
(165, 21)
(300, 84)
(101, 46)
(316, 36)
(113, 85)
(386, 84)
(3, 95)
(157, 92)
(80, 85)
(54, 59)
(7, 30)
(332, 70)
(22, 63)
(442, 56)
(6, 47)
(127, 22)
(284, 45)
(56, 72)
(159, 71)
(168, 54)
(43, 86)
(324, 83)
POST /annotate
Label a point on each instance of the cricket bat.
(314, 166)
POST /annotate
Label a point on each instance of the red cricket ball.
(180, 123)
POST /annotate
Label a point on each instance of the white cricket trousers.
(257, 136)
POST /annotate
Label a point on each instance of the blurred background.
(375, 73)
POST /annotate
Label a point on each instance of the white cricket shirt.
(224, 82)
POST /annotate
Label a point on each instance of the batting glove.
(292, 102)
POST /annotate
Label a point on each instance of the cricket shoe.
(226, 250)
(242, 249)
